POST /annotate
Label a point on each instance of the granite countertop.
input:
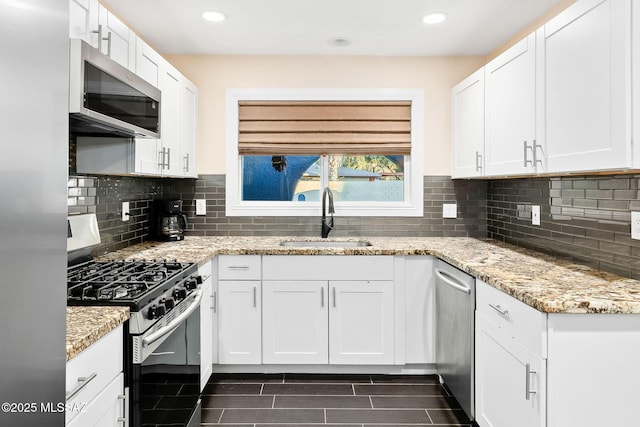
(86, 325)
(543, 282)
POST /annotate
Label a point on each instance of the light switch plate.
(535, 215)
(125, 211)
(201, 206)
(449, 210)
(635, 225)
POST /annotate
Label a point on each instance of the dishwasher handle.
(452, 282)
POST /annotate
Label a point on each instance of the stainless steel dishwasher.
(455, 306)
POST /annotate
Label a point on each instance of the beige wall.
(435, 75)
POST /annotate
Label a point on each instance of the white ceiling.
(306, 27)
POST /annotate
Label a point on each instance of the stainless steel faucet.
(327, 226)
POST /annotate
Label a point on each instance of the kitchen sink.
(325, 243)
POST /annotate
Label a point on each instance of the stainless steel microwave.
(106, 99)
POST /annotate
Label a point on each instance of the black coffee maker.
(170, 220)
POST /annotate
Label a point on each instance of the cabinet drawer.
(239, 267)
(94, 368)
(515, 318)
(328, 267)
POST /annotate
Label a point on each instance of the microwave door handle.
(151, 338)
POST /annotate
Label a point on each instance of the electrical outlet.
(535, 215)
(449, 210)
(125, 211)
(201, 206)
(635, 225)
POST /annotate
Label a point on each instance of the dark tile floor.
(339, 400)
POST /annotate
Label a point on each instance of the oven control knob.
(179, 294)
(161, 310)
(153, 312)
(169, 303)
(191, 283)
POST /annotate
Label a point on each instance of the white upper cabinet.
(175, 151)
(558, 101)
(118, 41)
(93, 23)
(83, 20)
(468, 126)
(148, 62)
(511, 147)
(188, 123)
(584, 87)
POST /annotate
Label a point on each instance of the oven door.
(146, 344)
(159, 356)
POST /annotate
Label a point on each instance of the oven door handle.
(173, 325)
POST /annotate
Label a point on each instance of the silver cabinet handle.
(322, 297)
(528, 392)
(108, 39)
(125, 407)
(82, 383)
(334, 296)
(186, 163)
(214, 302)
(534, 149)
(478, 162)
(255, 297)
(238, 267)
(527, 162)
(168, 158)
(99, 32)
(161, 158)
(503, 312)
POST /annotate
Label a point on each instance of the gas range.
(151, 289)
(164, 301)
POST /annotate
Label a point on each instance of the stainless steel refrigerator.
(33, 176)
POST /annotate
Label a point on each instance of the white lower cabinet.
(105, 410)
(535, 369)
(206, 325)
(240, 322)
(95, 384)
(510, 380)
(361, 323)
(335, 322)
(294, 321)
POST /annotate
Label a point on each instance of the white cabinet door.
(240, 324)
(206, 325)
(146, 153)
(188, 125)
(584, 86)
(107, 409)
(148, 62)
(510, 380)
(468, 126)
(510, 112)
(361, 323)
(169, 84)
(295, 324)
(118, 41)
(83, 20)
(419, 307)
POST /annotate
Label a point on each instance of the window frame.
(412, 206)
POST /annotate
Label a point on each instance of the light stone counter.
(86, 325)
(545, 283)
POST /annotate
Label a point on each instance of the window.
(285, 146)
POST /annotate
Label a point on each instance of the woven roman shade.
(324, 127)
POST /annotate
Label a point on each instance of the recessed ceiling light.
(339, 42)
(213, 16)
(434, 18)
